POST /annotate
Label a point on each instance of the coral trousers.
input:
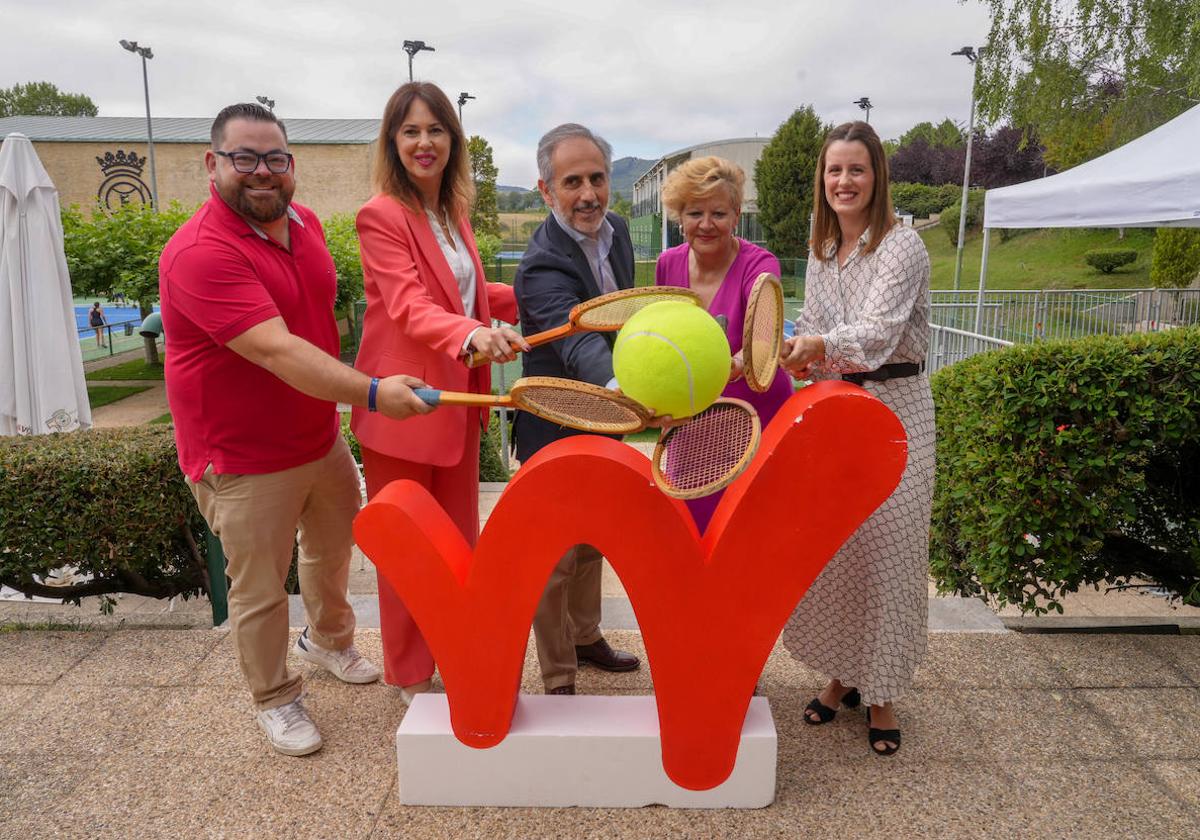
(406, 657)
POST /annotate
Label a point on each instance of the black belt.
(899, 370)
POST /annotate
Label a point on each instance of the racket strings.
(764, 335)
(707, 450)
(580, 409)
(612, 314)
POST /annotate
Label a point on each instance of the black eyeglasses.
(247, 162)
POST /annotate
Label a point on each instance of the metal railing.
(948, 345)
(1026, 315)
(114, 338)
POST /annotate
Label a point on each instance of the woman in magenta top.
(705, 196)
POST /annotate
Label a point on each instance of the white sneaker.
(289, 729)
(347, 665)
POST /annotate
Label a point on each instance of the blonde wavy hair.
(699, 178)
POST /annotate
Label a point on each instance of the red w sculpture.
(828, 459)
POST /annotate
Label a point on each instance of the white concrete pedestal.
(571, 751)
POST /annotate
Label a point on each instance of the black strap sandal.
(874, 736)
(824, 714)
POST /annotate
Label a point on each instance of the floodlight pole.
(146, 53)
(462, 99)
(412, 48)
(972, 56)
(865, 104)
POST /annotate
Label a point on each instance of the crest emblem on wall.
(122, 181)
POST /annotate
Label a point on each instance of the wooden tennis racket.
(577, 405)
(762, 333)
(707, 452)
(605, 313)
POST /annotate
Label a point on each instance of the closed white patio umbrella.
(42, 389)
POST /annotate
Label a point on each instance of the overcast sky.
(651, 76)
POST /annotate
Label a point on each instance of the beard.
(259, 208)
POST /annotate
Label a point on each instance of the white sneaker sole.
(309, 656)
(307, 749)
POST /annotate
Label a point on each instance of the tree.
(1089, 75)
(485, 217)
(1007, 156)
(622, 206)
(42, 99)
(783, 176)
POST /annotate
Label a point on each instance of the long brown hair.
(880, 218)
(389, 175)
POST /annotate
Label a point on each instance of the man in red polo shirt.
(253, 380)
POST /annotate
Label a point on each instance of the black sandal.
(874, 736)
(824, 714)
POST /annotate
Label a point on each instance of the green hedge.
(1062, 464)
(1108, 260)
(110, 502)
(949, 218)
(923, 200)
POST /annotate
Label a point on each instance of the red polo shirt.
(218, 277)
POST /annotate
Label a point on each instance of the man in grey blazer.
(579, 252)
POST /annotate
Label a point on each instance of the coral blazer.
(415, 324)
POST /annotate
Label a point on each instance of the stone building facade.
(105, 159)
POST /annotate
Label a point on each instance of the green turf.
(165, 418)
(106, 394)
(136, 369)
(1040, 259)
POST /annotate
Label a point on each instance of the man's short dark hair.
(242, 111)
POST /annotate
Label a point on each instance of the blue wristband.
(371, 394)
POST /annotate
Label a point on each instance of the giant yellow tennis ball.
(672, 357)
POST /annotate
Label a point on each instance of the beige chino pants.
(257, 517)
(568, 614)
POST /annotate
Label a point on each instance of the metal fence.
(948, 345)
(114, 338)
(1027, 315)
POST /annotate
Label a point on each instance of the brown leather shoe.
(600, 654)
(561, 689)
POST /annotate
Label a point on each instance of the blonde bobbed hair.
(698, 179)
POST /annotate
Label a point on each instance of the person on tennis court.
(582, 250)
(866, 320)
(429, 307)
(253, 381)
(704, 196)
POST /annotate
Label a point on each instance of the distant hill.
(626, 170)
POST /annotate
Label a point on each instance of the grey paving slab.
(13, 698)
(1181, 651)
(83, 720)
(34, 783)
(1182, 778)
(1097, 799)
(1116, 660)
(43, 656)
(1161, 723)
(144, 657)
(1002, 661)
(1040, 724)
(949, 614)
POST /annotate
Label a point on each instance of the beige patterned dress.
(864, 621)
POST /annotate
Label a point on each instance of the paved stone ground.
(148, 733)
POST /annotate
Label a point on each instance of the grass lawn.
(105, 394)
(1040, 259)
(165, 418)
(136, 369)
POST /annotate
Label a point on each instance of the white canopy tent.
(1153, 181)
(42, 389)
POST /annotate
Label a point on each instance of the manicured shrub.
(1109, 260)
(110, 502)
(1176, 259)
(922, 200)
(949, 217)
(1062, 464)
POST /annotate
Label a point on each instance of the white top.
(596, 249)
(458, 257)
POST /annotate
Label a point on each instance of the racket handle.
(429, 396)
(479, 359)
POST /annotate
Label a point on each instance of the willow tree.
(1089, 75)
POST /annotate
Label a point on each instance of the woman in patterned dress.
(866, 319)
